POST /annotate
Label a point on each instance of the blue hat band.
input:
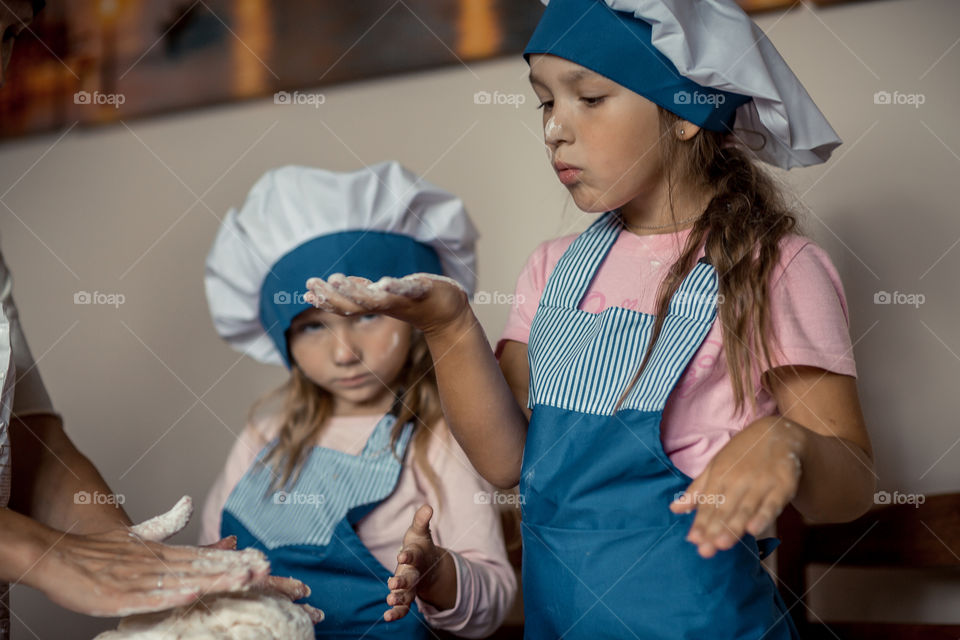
(619, 46)
(368, 254)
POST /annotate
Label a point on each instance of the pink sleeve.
(242, 455)
(467, 524)
(530, 286)
(809, 313)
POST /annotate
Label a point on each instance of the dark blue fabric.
(347, 582)
(604, 557)
(367, 254)
(618, 46)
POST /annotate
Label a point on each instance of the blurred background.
(127, 129)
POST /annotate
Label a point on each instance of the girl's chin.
(591, 205)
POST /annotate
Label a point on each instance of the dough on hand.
(235, 616)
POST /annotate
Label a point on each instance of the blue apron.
(603, 556)
(308, 533)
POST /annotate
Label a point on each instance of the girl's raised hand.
(746, 485)
(429, 302)
(418, 564)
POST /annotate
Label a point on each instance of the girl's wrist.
(438, 586)
(452, 329)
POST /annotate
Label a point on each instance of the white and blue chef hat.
(299, 222)
(704, 60)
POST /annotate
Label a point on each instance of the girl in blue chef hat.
(680, 371)
(328, 478)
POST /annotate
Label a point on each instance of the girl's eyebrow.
(570, 77)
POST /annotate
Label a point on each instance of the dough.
(241, 616)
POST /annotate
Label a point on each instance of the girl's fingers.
(686, 502)
(396, 613)
(316, 615)
(768, 512)
(706, 504)
(722, 510)
(227, 544)
(328, 298)
(411, 555)
(734, 525)
(421, 520)
(288, 587)
(400, 597)
(355, 290)
(409, 576)
(413, 286)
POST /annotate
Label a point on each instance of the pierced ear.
(686, 129)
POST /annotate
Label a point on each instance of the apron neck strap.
(379, 440)
(573, 274)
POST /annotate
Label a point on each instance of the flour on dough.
(241, 616)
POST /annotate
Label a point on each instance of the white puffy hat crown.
(298, 222)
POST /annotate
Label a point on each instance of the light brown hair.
(305, 410)
(743, 226)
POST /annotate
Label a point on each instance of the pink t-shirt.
(808, 312)
(463, 522)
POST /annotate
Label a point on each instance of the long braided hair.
(743, 226)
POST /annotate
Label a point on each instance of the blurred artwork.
(100, 61)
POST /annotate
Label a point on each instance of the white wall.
(155, 399)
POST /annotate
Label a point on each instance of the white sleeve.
(29, 396)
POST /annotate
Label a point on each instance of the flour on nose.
(553, 128)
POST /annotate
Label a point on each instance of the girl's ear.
(684, 129)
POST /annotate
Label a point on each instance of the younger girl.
(327, 485)
(640, 518)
